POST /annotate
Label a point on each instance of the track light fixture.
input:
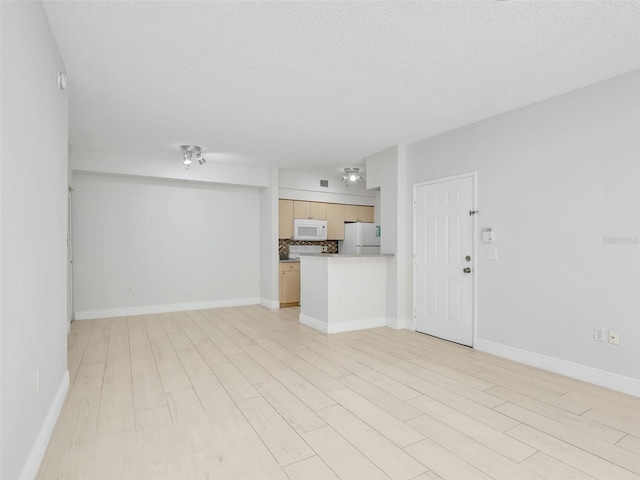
(351, 175)
(189, 151)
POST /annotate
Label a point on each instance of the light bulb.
(353, 177)
(187, 161)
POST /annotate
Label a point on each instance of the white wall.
(356, 293)
(297, 185)
(554, 179)
(269, 278)
(33, 237)
(178, 245)
(383, 175)
(115, 163)
(387, 171)
(342, 294)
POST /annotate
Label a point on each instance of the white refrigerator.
(359, 238)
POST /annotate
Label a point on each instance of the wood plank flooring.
(249, 393)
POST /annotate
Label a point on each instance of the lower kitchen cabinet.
(289, 284)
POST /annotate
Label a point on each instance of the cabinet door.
(351, 213)
(365, 214)
(318, 211)
(335, 221)
(285, 219)
(290, 287)
(301, 209)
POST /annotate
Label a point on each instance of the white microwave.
(305, 229)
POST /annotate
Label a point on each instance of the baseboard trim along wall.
(602, 378)
(339, 327)
(398, 323)
(313, 323)
(172, 307)
(272, 304)
(30, 469)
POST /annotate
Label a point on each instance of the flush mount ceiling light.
(189, 152)
(351, 175)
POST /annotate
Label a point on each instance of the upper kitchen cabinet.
(335, 221)
(365, 214)
(351, 213)
(358, 213)
(285, 218)
(318, 211)
(315, 210)
(336, 214)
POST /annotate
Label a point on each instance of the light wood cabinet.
(315, 210)
(285, 218)
(301, 209)
(335, 221)
(358, 213)
(351, 213)
(289, 284)
(335, 214)
(318, 210)
(365, 214)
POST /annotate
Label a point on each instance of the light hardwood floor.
(248, 393)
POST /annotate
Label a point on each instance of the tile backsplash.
(283, 247)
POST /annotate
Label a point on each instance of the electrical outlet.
(598, 334)
(614, 337)
(130, 289)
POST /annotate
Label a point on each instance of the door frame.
(70, 313)
(474, 246)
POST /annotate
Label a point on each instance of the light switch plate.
(598, 334)
(492, 254)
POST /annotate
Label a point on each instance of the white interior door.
(444, 263)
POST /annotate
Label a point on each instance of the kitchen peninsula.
(341, 293)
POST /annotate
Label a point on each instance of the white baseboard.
(313, 323)
(30, 469)
(339, 327)
(171, 307)
(610, 380)
(272, 304)
(398, 323)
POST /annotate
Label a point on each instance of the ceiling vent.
(324, 183)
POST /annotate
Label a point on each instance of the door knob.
(466, 270)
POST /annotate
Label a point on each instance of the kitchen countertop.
(347, 255)
(290, 260)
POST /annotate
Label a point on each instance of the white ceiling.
(322, 84)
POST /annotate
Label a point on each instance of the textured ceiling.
(322, 84)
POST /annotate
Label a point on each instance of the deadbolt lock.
(468, 258)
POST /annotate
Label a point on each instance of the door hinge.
(473, 212)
